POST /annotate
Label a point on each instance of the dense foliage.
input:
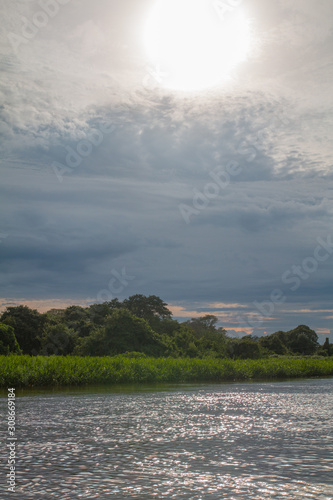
(144, 325)
(8, 342)
(30, 371)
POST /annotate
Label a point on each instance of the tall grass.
(26, 371)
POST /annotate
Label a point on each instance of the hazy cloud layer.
(204, 199)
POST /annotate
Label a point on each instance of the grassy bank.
(25, 371)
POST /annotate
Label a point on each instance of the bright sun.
(194, 45)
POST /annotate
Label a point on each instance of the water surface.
(263, 440)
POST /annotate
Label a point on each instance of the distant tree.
(205, 325)
(95, 344)
(213, 344)
(326, 349)
(98, 313)
(76, 318)
(165, 326)
(274, 343)
(8, 342)
(128, 332)
(183, 343)
(74, 314)
(114, 304)
(123, 332)
(55, 313)
(58, 340)
(302, 340)
(244, 348)
(79, 319)
(326, 344)
(148, 308)
(28, 326)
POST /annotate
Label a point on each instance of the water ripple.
(230, 441)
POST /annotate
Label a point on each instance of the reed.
(42, 371)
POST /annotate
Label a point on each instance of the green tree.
(75, 314)
(213, 344)
(275, 343)
(302, 340)
(95, 344)
(128, 332)
(8, 342)
(99, 313)
(58, 339)
(148, 308)
(80, 320)
(166, 326)
(183, 343)
(28, 326)
(326, 349)
(123, 332)
(205, 325)
(326, 344)
(211, 341)
(244, 348)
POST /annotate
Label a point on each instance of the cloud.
(117, 204)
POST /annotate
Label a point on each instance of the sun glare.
(192, 46)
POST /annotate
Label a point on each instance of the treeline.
(140, 326)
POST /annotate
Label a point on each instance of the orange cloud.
(42, 305)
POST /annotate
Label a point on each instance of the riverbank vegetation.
(43, 371)
(144, 325)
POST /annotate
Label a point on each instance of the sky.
(114, 182)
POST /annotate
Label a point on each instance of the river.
(261, 440)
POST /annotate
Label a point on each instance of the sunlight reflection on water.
(229, 441)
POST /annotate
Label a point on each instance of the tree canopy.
(143, 325)
(8, 342)
(27, 324)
